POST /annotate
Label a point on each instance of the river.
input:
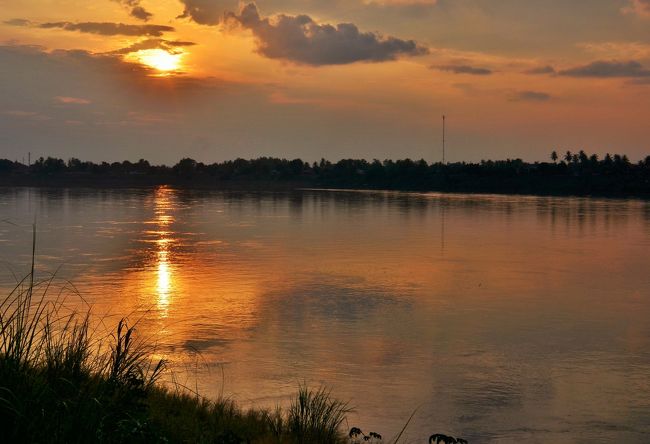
(499, 318)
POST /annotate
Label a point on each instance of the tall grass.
(60, 384)
(314, 416)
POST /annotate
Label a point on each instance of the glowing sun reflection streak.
(163, 285)
(164, 278)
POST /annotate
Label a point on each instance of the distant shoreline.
(578, 175)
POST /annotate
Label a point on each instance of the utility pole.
(29, 158)
(443, 138)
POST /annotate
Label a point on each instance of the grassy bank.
(62, 382)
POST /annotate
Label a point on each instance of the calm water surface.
(504, 319)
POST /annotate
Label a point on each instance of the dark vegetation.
(566, 174)
(62, 382)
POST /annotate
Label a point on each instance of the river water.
(499, 318)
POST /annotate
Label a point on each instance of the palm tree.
(554, 156)
(583, 157)
(568, 157)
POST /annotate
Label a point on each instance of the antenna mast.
(443, 138)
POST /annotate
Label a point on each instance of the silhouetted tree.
(582, 157)
(613, 175)
(608, 161)
(185, 167)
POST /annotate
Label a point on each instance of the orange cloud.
(638, 7)
(72, 100)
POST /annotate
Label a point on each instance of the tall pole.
(443, 138)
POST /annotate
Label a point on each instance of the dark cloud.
(607, 69)
(136, 9)
(548, 69)
(107, 28)
(17, 22)
(168, 45)
(300, 39)
(530, 96)
(464, 69)
(207, 12)
(140, 13)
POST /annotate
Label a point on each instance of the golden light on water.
(164, 273)
(160, 60)
(164, 281)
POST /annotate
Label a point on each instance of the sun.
(160, 60)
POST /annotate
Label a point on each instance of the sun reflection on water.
(163, 285)
(163, 204)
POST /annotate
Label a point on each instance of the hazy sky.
(217, 79)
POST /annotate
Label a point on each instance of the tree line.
(566, 173)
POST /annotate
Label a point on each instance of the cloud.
(300, 39)
(140, 13)
(102, 28)
(548, 69)
(27, 115)
(136, 9)
(530, 96)
(107, 28)
(206, 12)
(72, 100)
(464, 69)
(638, 7)
(608, 69)
(617, 49)
(170, 46)
(17, 22)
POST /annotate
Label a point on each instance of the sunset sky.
(217, 79)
